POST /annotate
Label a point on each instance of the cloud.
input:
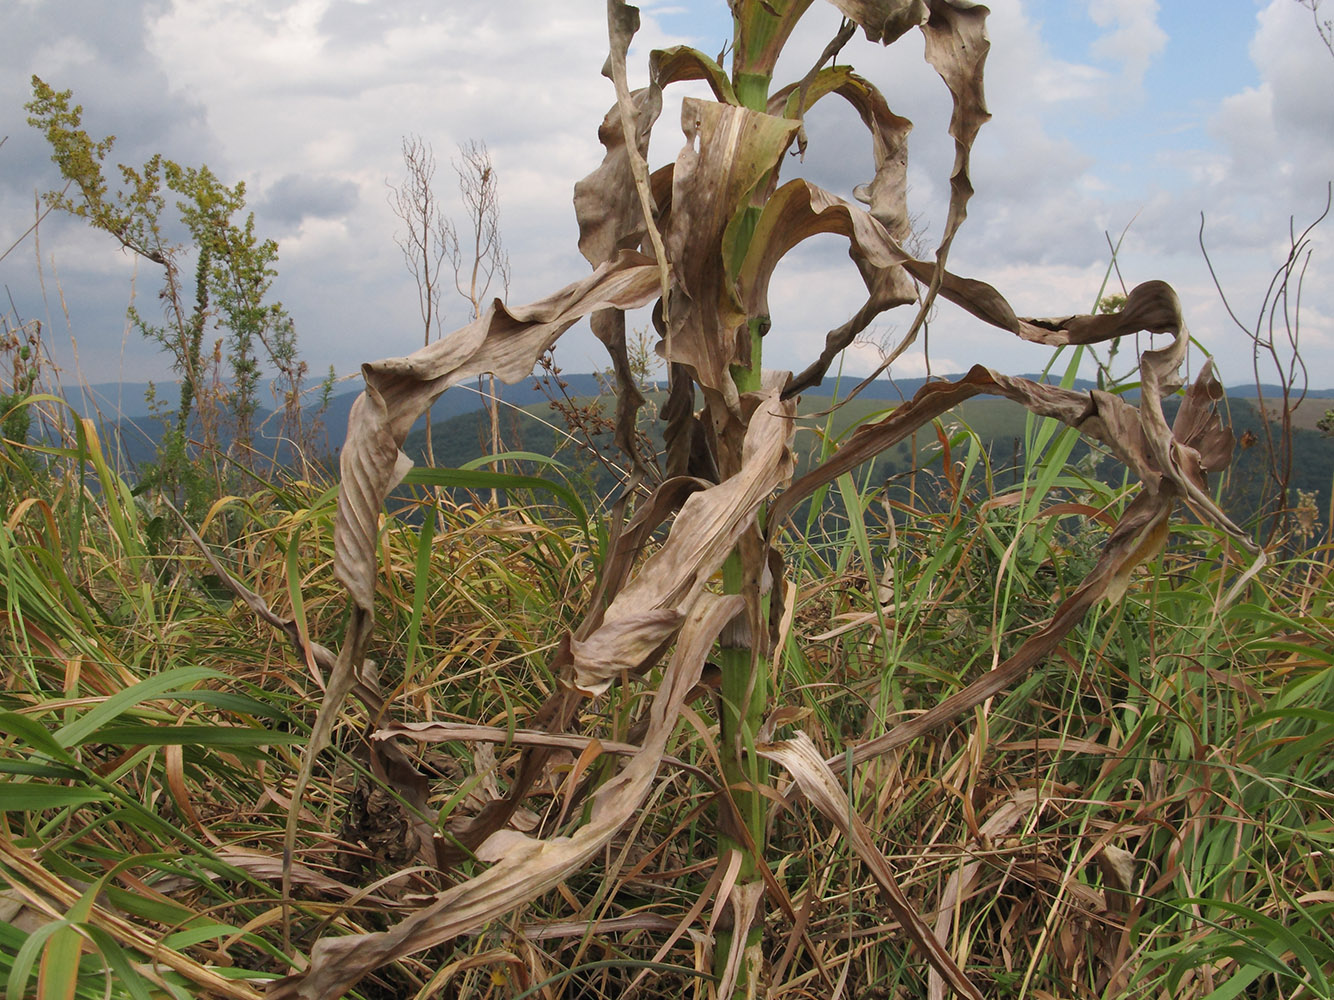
(293, 197)
(308, 102)
(1135, 37)
(1278, 133)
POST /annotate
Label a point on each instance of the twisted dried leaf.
(1171, 464)
(524, 867)
(957, 46)
(645, 614)
(504, 342)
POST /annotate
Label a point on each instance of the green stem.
(743, 655)
(744, 683)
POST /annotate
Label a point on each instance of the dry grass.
(1150, 814)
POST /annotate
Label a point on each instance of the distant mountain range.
(458, 433)
(129, 399)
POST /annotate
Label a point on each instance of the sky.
(1112, 120)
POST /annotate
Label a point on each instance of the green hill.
(998, 424)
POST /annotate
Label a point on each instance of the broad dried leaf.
(884, 20)
(1118, 871)
(799, 210)
(622, 23)
(618, 205)
(505, 342)
(799, 757)
(1140, 438)
(956, 45)
(607, 202)
(646, 613)
(266, 866)
(681, 63)
(668, 594)
(730, 154)
(444, 732)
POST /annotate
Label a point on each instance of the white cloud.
(1281, 132)
(307, 100)
(1135, 37)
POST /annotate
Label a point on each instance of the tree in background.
(426, 240)
(429, 237)
(487, 261)
(233, 275)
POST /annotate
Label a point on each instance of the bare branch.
(428, 237)
(1324, 28)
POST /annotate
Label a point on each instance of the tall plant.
(700, 238)
(233, 267)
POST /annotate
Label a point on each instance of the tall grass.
(1150, 814)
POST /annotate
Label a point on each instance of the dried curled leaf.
(884, 20)
(1171, 463)
(667, 599)
(524, 867)
(957, 46)
(644, 615)
(887, 193)
(505, 342)
(730, 153)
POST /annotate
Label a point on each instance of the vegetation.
(750, 729)
(233, 272)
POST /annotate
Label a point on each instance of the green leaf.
(195, 735)
(30, 796)
(84, 729)
(477, 479)
(238, 704)
(118, 962)
(514, 456)
(419, 589)
(36, 770)
(194, 935)
(58, 975)
(21, 971)
(34, 734)
(1236, 983)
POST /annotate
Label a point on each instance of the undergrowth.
(1151, 813)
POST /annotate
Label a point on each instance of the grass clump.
(1148, 814)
